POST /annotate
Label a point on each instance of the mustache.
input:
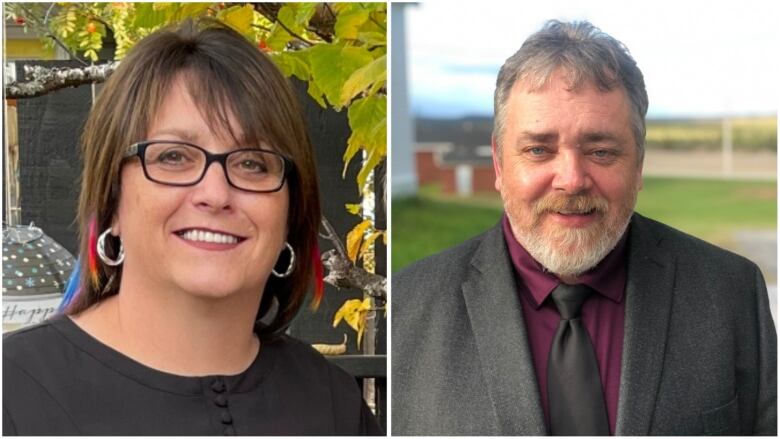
(571, 203)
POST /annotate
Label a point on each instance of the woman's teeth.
(203, 236)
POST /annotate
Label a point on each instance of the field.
(748, 134)
(713, 210)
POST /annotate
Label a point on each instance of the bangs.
(217, 100)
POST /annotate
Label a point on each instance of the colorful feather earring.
(74, 287)
(92, 253)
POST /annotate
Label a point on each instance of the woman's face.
(163, 228)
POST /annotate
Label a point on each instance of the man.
(575, 315)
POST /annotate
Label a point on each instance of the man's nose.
(213, 191)
(571, 173)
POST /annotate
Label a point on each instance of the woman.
(199, 213)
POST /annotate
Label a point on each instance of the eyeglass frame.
(138, 149)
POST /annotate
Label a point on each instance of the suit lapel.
(496, 318)
(649, 291)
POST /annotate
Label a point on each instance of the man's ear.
(496, 162)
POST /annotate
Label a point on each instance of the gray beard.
(569, 252)
(572, 252)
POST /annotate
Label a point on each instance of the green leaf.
(191, 10)
(316, 94)
(372, 39)
(332, 65)
(91, 54)
(301, 14)
(375, 156)
(278, 38)
(354, 209)
(239, 18)
(368, 121)
(362, 78)
(348, 21)
(292, 64)
(148, 16)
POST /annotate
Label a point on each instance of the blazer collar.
(649, 290)
(494, 311)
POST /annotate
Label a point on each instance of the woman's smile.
(208, 239)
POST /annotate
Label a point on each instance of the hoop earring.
(290, 267)
(101, 249)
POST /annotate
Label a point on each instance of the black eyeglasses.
(183, 164)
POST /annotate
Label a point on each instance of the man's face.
(568, 172)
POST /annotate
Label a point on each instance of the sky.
(699, 58)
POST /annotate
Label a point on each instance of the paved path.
(760, 246)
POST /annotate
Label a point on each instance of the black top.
(59, 380)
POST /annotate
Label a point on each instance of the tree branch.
(320, 24)
(333, 237)
(41, 80)
(342, 273)
(296, 36)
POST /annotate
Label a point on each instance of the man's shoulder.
(446, 266)
(690, 248)
(436, 279)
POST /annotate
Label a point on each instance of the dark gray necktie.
(573, 383)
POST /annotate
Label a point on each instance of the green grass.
(709, 209)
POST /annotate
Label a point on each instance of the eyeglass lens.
(175, 163)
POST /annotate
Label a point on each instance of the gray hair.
(586, 54)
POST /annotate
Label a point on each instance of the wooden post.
(727, 147)
(13, 210)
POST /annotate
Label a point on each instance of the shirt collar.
(608, 277)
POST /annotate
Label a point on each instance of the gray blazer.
(699, 350)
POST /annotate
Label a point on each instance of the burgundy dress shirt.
(602, 315)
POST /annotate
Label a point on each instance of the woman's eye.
(253, 166)
(171, 157)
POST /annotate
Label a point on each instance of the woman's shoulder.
(300, 370)
(295, 356)
(40, 342)
(34, 362)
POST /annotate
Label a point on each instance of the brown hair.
(225, 74)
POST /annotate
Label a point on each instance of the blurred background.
(711, 73)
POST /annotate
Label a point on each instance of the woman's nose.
(214, 190)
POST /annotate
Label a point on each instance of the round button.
(226, 418)
(220, 400)
(218, 386)
(229, 431)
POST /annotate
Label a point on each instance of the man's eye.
(603, 153)
(537, 150)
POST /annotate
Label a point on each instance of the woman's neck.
(175, 332)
